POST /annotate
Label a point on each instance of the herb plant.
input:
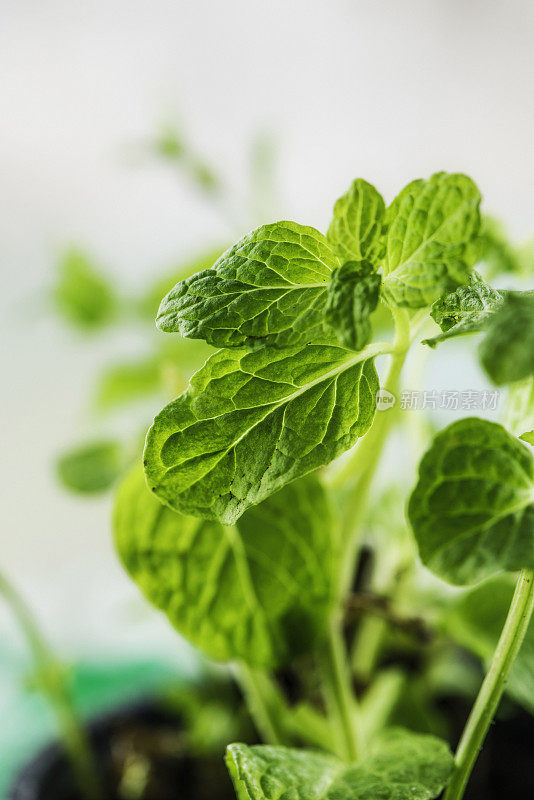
(254, 543)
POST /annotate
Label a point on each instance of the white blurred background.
(384, 89)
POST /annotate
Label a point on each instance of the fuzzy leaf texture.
(269, 288)
(399, 766)
(507, 351)
(259, 591)
(91, 468)
(251, 421)
(472, 510)
(475, 620)
(353, 294)
(468, 309)
(431, 227)
(356, 232)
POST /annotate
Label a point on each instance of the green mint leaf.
(468, 309)
(148, 303)
(431, 227)
(399, 766)
(253, 420)
(507, 350)
(352, 295)
(259, 591)
(528, 437)
(356, 232)
(472, 510)
(269, 288)
(92, 467)
(475, 620)
(82, 295)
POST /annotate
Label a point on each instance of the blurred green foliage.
(82, 295)
(91, 468)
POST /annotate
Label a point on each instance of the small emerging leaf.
(356, 232)
(253, 420)
(528, 437)
(353, 294)
(472, 510)
(507, 351)
(399, 766)
(469, 309)
(91, 468)
(259, 592)
(269, 288)
(431, 226)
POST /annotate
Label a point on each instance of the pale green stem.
(267, 722)
(367, 646)
(494, 685)
(357, 474)
(339, 695)
(52, 685)
(355, 477)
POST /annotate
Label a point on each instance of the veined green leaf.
(430, 229)
(82, 295)
(259, 591)
(472, 510)
(269, 288)
(251, 421)
(507, 350)
(475, 620)
(92, 467)
(149, 301)
(399, 766)
(356, 232)
(468, 309)
(353, 294)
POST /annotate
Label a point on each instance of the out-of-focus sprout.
(49, 677)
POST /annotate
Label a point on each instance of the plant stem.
(256, 689)
(494, 684)
(50, 681)
(339, 695)
(357, 474)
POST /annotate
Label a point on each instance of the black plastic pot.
(48, 776)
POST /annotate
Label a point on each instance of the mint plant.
(253, 542)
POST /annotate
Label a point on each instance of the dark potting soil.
(141, 755)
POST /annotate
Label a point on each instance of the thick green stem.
(339, 695)
(494, 684)
(51, 682)
(255, 685)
